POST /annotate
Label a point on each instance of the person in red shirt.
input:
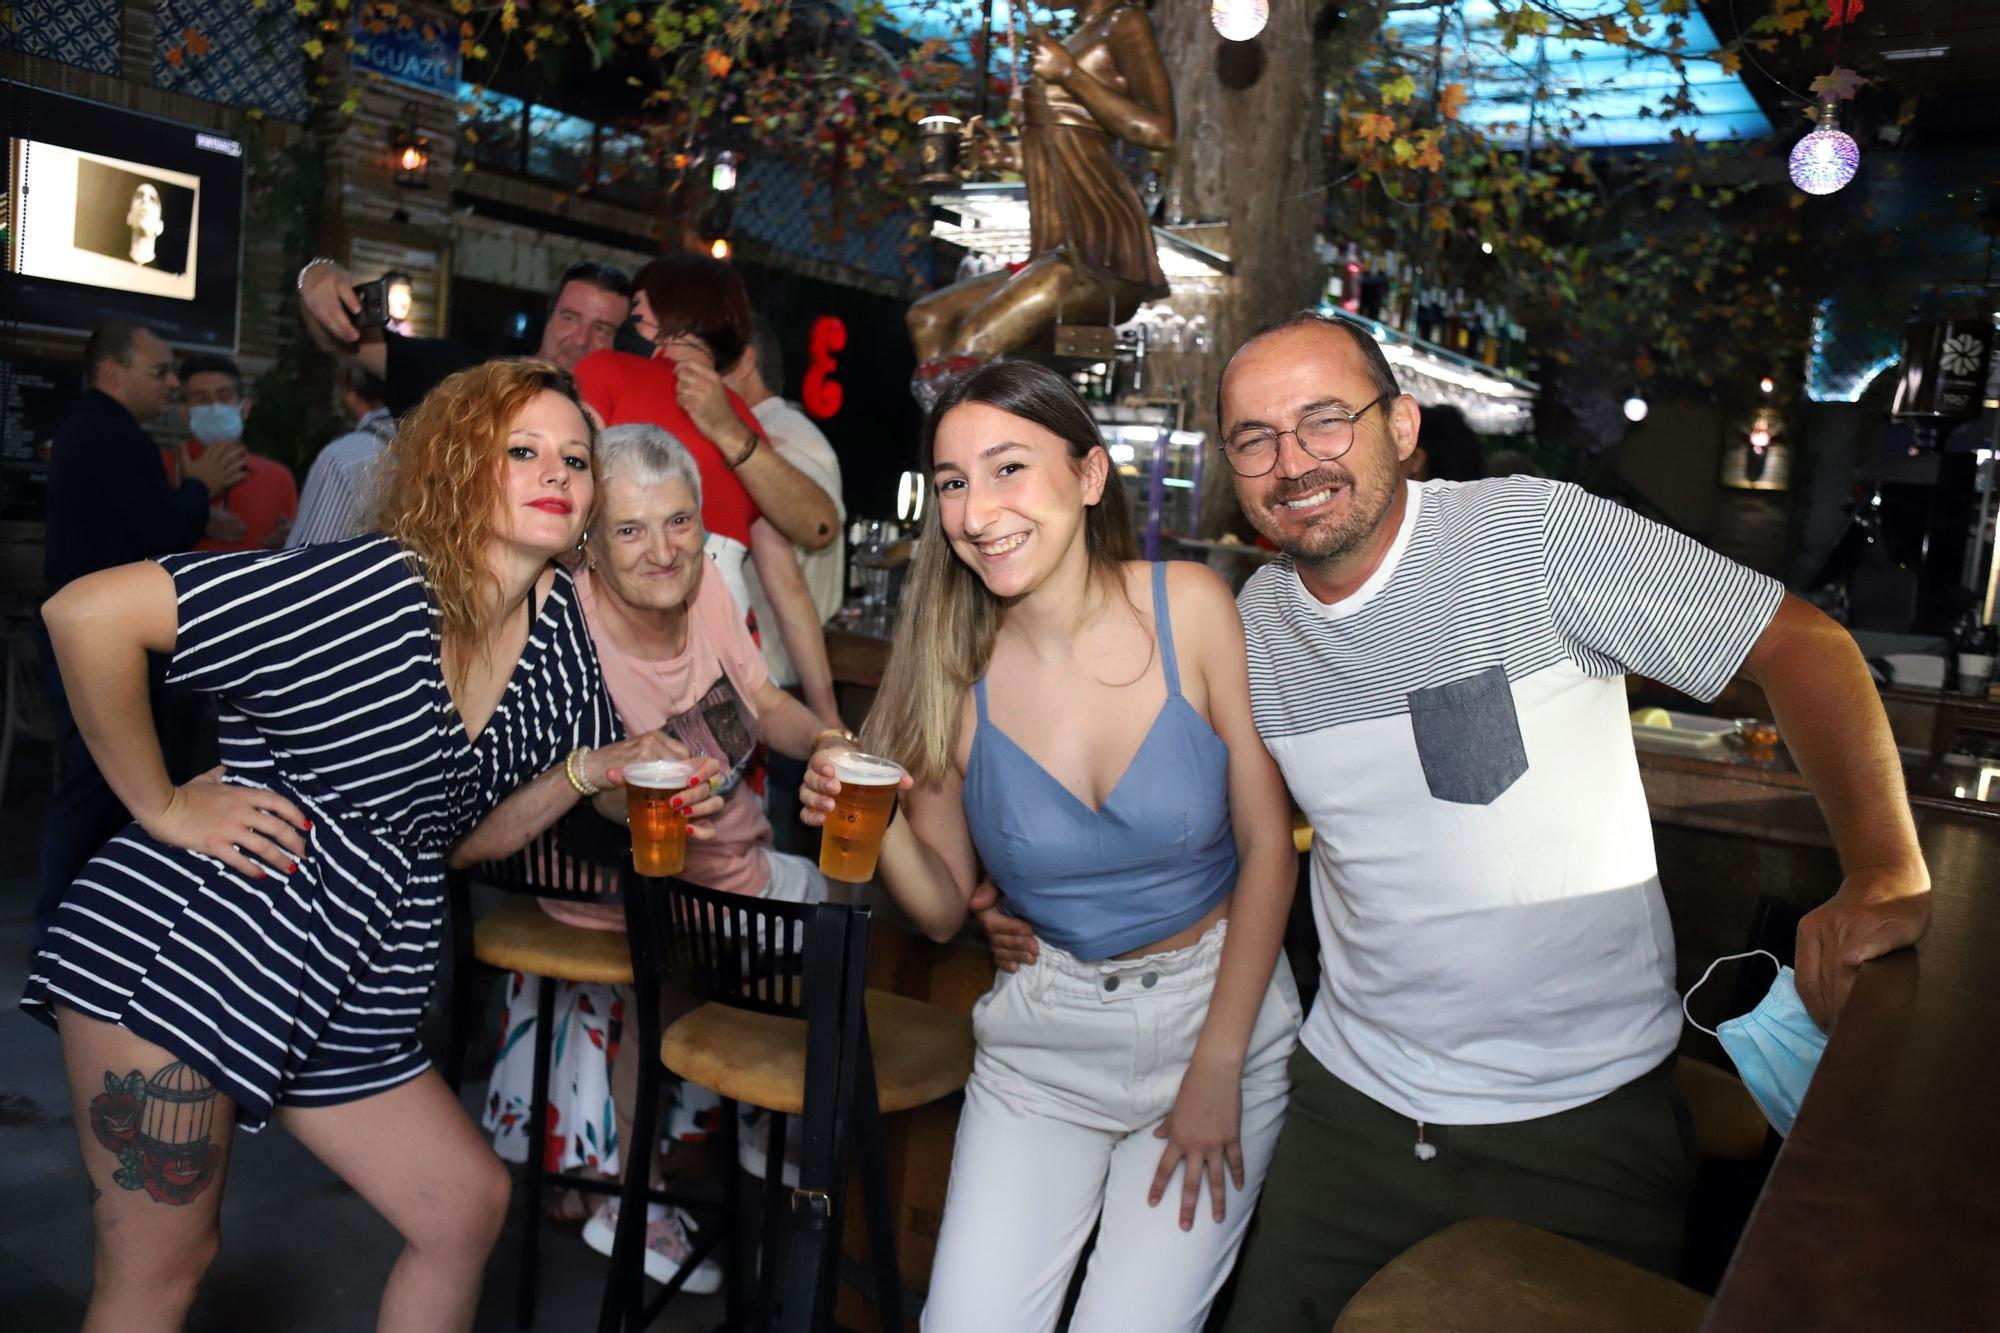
(695, 312)
(266, 501)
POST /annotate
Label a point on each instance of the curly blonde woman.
(259, 943)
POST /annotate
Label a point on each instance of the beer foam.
(660, 774)
(866, 769)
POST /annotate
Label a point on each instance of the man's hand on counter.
(1875, 912)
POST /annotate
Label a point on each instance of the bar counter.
(1881, 1211)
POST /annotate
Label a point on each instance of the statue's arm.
(1145, 115)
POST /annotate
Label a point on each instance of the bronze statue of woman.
(1092, 257)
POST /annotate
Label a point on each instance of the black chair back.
(806, 961)
(748, 953)
(562, 863)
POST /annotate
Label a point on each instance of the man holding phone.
(591, 303)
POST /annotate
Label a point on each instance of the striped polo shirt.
(1494, 941)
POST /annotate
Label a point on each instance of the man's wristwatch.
(310, 266)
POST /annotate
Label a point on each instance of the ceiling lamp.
(1239, 20)
(1636, 408)
(1827, 158)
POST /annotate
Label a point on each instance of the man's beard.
(1329, 540)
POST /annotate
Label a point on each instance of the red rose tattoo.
(114, 1113)
(178, 1178)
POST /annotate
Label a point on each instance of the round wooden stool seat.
(519, 936)
(1727, 1123)
(922, 1053)
(1490, 1275)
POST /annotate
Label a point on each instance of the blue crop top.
(1151, 861)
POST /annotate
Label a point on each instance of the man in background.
(756, 379)
(110, 503)
(590, 304)
(339, 488)
(215, 404)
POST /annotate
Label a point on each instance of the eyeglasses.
(1326, 433)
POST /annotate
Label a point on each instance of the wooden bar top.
(1883, 1208)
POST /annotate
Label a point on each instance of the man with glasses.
(1437, 667)
(110, 503)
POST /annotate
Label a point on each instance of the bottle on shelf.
(1350, 277)
(1392, 288)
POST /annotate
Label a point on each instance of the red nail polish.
(294, 870)
(674, 804)
(309, 825)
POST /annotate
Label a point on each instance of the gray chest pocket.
(1468, 737)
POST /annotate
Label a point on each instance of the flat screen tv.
(111, 214)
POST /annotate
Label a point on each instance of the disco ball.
(1239, 20)
(1824, 160)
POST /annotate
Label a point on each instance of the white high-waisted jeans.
(1077, 1064)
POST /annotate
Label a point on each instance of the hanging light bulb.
(1760, 435)
(1239, 20)
(1827, 158)
(1766, 385)
(1636, 408)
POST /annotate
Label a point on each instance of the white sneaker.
(667, 1247)
(753, 1144)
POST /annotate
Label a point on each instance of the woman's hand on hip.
(1204, 1132)
(232, 824)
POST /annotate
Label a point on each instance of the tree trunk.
(1249, 152)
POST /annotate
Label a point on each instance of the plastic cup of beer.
(852, 838)
(659, 831)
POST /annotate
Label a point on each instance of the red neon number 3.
(822, 392)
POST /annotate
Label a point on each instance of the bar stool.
(520, 937)
(1491, 1275)
(788, 1026)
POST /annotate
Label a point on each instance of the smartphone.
(389, 297)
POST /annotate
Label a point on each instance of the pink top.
(702, 699)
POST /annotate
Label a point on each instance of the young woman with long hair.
(259, 943)
(1078, 722)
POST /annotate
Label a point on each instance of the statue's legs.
(1028, 304)
(934, 320)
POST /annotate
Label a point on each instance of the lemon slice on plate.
(1653, 717)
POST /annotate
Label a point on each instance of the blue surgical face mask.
(216, 423)
(1776, 1046)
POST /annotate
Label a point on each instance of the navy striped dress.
(307, 988)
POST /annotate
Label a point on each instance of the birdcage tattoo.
(180, 1113)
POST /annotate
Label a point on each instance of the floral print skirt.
(582, 1125)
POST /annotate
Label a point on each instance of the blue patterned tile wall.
(251, 56)
(83, 33)
(776, 209)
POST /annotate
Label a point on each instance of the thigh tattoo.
(161, 1130)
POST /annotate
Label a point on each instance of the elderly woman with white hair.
(676, 657)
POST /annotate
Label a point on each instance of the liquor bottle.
(1462, 322)
(1392, 288)
(1350, 299)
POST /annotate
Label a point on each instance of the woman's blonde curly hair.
(440, 480)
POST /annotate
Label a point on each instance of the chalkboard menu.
(36, 395)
